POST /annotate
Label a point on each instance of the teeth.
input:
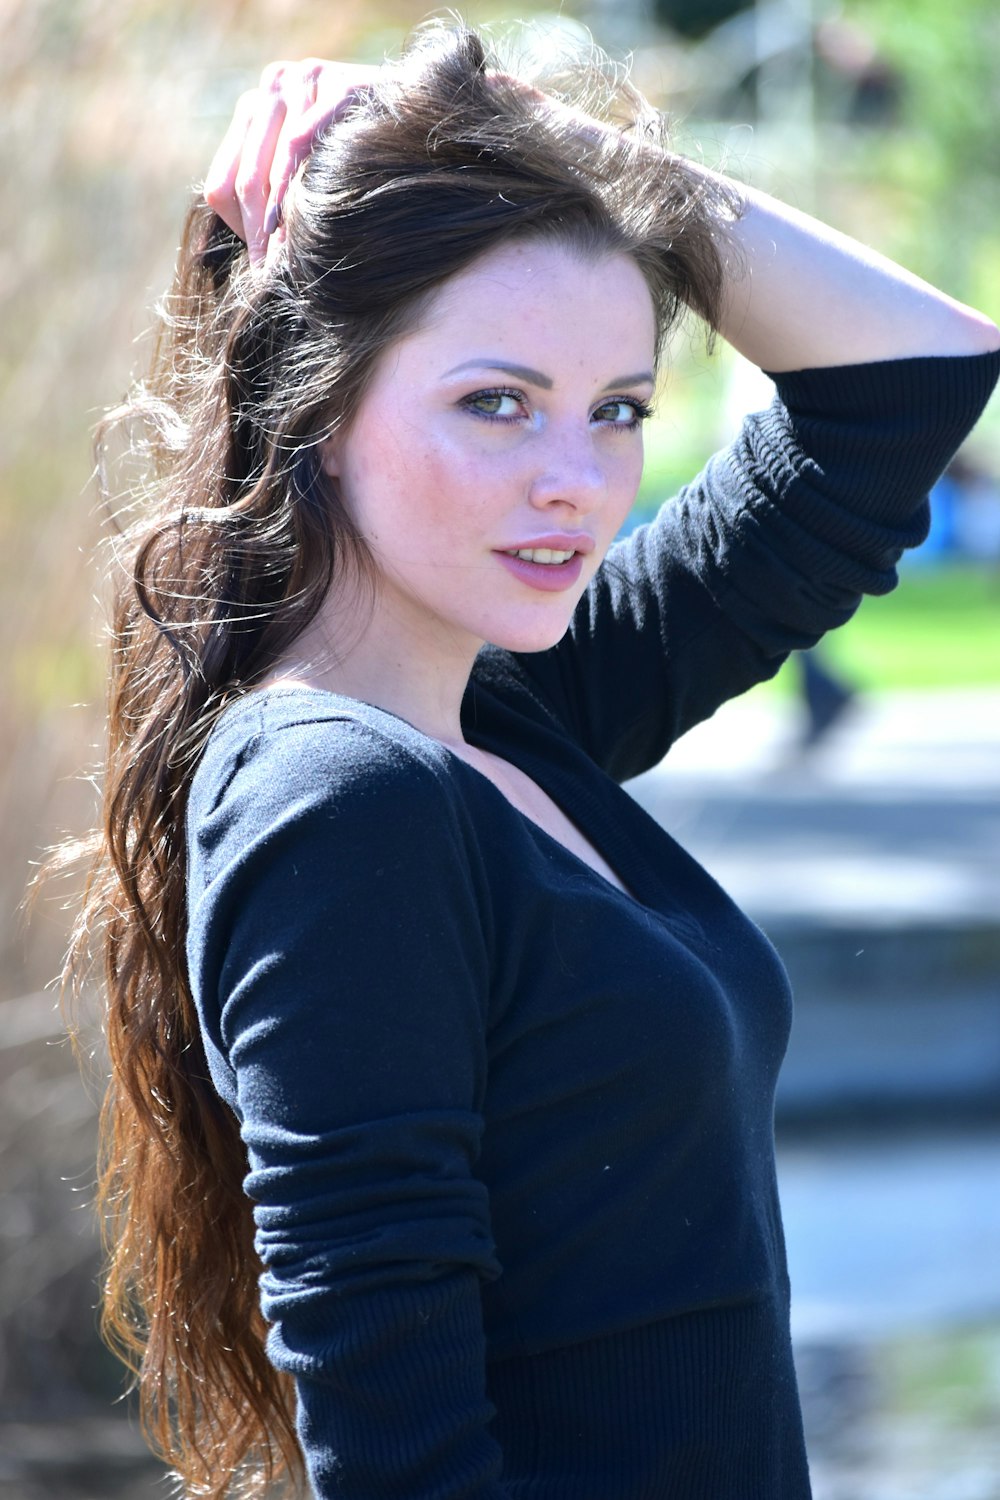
(541, 555)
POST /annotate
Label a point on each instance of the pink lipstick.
(558, 572)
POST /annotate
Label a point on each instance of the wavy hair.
(233, 539)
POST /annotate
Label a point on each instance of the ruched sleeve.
(776, 542)
(338, 958)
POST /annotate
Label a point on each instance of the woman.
(384, 936)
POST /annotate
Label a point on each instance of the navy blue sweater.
(509, 1130)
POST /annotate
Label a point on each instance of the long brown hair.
(233, 542)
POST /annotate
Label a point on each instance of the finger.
(275, 240)
(220, 181)
(295, 139)
(333, 97)
(253, 176)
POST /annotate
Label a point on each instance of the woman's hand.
(271, 133)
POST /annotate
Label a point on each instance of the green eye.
(503, 406)
(622, 413)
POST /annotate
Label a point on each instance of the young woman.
(399, 977)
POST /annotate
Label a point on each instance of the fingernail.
(271, 219)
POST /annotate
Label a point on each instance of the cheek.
(416, 500)
(401, 480)
(454, 482)
(374, 478)
(626, 479)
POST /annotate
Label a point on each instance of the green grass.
(929, 1424)
(940, 628)
(948, 1376)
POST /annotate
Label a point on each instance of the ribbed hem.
(698, 1407)
(851, 454)
(397, 1405)
(938, 389)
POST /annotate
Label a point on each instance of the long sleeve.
(776, 542)
(338, 960)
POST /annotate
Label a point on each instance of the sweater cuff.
(392, 1402)
(935, 391)
(876, 437)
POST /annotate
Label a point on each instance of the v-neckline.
(618, 885)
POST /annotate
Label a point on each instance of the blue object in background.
(941, 540)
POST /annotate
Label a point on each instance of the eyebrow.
(535, 377)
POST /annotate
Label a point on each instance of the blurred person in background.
(439, 1147)
(826, 697)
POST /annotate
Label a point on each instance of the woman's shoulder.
(281, 752)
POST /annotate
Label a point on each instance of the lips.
(548, 577)
(553, 541)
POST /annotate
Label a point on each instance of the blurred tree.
(694, 18)
(942, 161)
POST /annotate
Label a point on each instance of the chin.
(529, 641)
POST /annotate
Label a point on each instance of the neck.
(419, 675)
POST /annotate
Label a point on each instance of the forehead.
(544, 294)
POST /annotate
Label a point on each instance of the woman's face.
(499, 447)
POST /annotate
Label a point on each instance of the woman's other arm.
(338, 964)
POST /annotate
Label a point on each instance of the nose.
(568, 473)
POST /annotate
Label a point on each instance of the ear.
(329, 457)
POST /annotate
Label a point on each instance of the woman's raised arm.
(801, 295)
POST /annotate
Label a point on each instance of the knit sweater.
(509, 1128)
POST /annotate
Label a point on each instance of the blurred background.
(852, 806)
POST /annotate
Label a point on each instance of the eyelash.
(642, 409)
